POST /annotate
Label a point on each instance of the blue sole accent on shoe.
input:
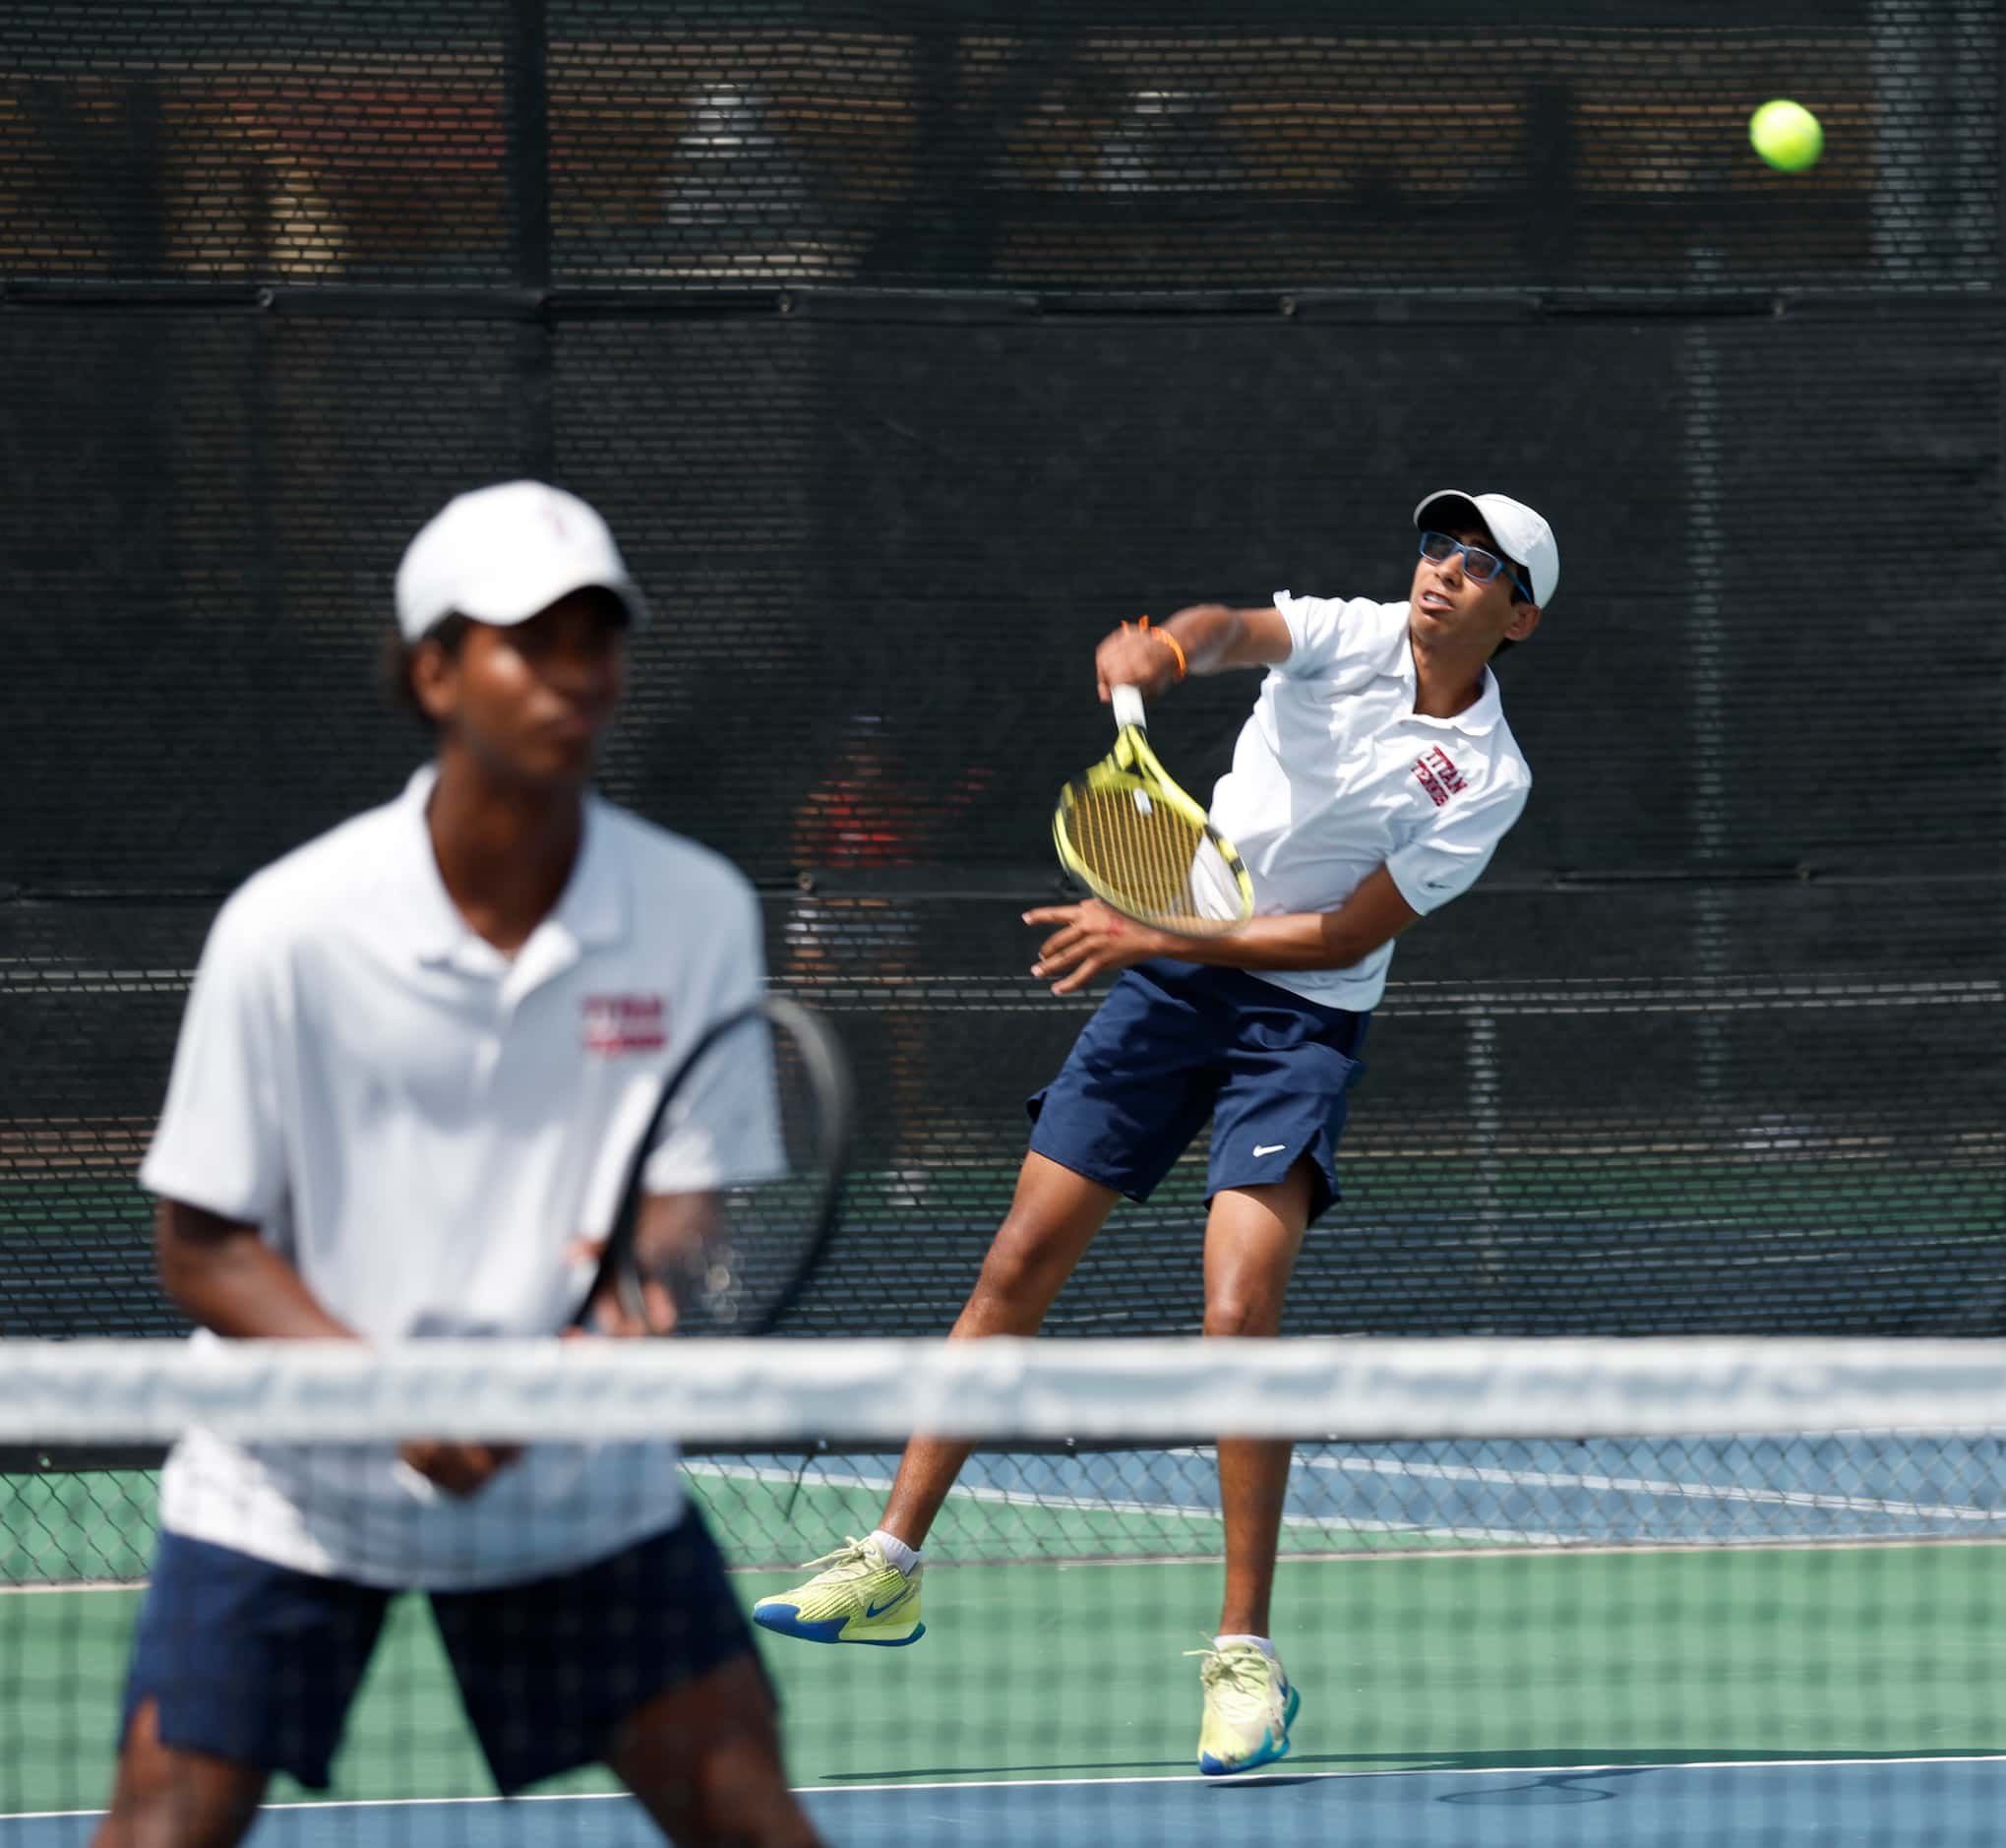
(784, 1619)
(1269, 1753)
(887, 1643)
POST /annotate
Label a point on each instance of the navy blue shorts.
(259, 1664)
(1177, 1042)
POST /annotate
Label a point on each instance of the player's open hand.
(1091, 938)
(1138, 657)
(460, 1469)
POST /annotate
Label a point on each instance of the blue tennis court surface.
(1844, 1487)
(1785, 1804)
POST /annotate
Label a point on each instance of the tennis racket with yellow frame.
(1137, 841)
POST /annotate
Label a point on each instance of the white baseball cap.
(1525, 537)
(504, 554)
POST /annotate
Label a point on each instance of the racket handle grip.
(1128, 707)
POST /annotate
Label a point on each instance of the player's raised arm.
(1203, 639)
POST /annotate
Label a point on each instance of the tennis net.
(1709, 1591)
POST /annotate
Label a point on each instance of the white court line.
(1173, 1777)
(44, 1587)
(1092, 1505)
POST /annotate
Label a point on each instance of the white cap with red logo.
(505, 553)
(1523, 536)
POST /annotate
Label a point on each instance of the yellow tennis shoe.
(859, 1596)
(1249, 1704)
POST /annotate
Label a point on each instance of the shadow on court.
(1317, 1766)
(1625, 1758)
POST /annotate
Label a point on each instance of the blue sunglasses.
(1480, 564)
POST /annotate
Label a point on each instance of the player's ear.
(1525, 618)
(435, 675)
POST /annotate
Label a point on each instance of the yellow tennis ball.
(1786, 135)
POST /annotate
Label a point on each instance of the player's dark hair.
(394, 665)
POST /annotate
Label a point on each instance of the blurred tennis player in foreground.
(1371, 784)
(415, 1059)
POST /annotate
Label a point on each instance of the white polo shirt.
(422, 1126)
(1336, 775)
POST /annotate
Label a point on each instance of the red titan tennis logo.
(617, 1023)
(1438, 775)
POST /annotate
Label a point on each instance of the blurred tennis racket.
(753, 1128)
(1134, 839)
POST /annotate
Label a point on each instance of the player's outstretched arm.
(1092, 939)
(1204, 638)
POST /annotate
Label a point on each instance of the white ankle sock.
(1263, 1643)
(896, 1551)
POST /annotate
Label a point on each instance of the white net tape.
(750, 1392)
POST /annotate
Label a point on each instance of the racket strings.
(764, 1133)
(1137, 852)
(764, 1223)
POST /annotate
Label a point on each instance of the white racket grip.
(1128, 707)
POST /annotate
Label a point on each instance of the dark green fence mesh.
(910, 346)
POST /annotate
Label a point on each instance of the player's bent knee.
(1238, 1315)
(1011, 1297)
(1027, 1265)
(1025, 1273)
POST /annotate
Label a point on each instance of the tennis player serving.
(1371, 785)
(418, 1053)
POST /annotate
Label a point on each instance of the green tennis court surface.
(1424, 1640)
(1033, 1672)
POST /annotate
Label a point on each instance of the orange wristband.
(1170, 641)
